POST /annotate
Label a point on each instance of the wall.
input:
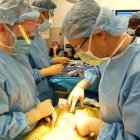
(63, 6)
(121, 4)
(61, 10)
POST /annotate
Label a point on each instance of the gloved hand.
(61, 60)
(88, 125)
(52, 118)
(42, 110)
(52, 70)
(77, 94)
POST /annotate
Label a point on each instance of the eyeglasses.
(82, 44)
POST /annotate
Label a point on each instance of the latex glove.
(88, 125)
(77, 94)
(42, 110)
(61, 60)
(52, 70)
(51, 119)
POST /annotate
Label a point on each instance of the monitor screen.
(125, 13)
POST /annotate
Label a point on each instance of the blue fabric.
(87, 17)
(39, 58)
(68, 83)
(119, 96)
(17, 95)
(76, 67)
(10, 11)
(43, 5)
(63, 82)
(93, 75)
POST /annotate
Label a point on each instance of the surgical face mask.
(138, 40)
(46, 24)
(89, 58)
(131, 31)
(20, 45)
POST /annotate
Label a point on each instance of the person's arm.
(61, 60)
(12, 123)
(129, 128)
(51, 60)
(36, 71)
(55, 48)
(37, 76)
(49, 71)
(77, 94)
(42, 110)
(91, 77)
(52, 70)
(87, 125)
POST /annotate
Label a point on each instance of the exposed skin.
(7, 38)
(134, 23)
(102, 44)
(42, 17)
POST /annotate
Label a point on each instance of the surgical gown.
(119, 96)
(17, 95)
(39, 58)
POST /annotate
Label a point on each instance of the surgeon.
(20, 108)
(38, 55)
(99, 36)
(134, 25)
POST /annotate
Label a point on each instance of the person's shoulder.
(134, 64)
(39, 41)
(136, 49)
(3, 57)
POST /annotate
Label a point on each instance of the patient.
(64, 127)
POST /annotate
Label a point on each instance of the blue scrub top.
(39, 58)
(17, 95)
(119, 96)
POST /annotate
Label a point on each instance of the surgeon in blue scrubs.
(134, 25)
(20, 108)
(100, 37)
(42, 64)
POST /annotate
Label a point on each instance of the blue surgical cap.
(88, 17)
(136, 15)
(43, 5)
(72, 1)
(10, 11)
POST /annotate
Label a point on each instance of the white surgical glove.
(88, 125)
(77, 94)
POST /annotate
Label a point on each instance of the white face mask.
(131, 31)
(138, 40)
(89, 58)
(45, 25)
